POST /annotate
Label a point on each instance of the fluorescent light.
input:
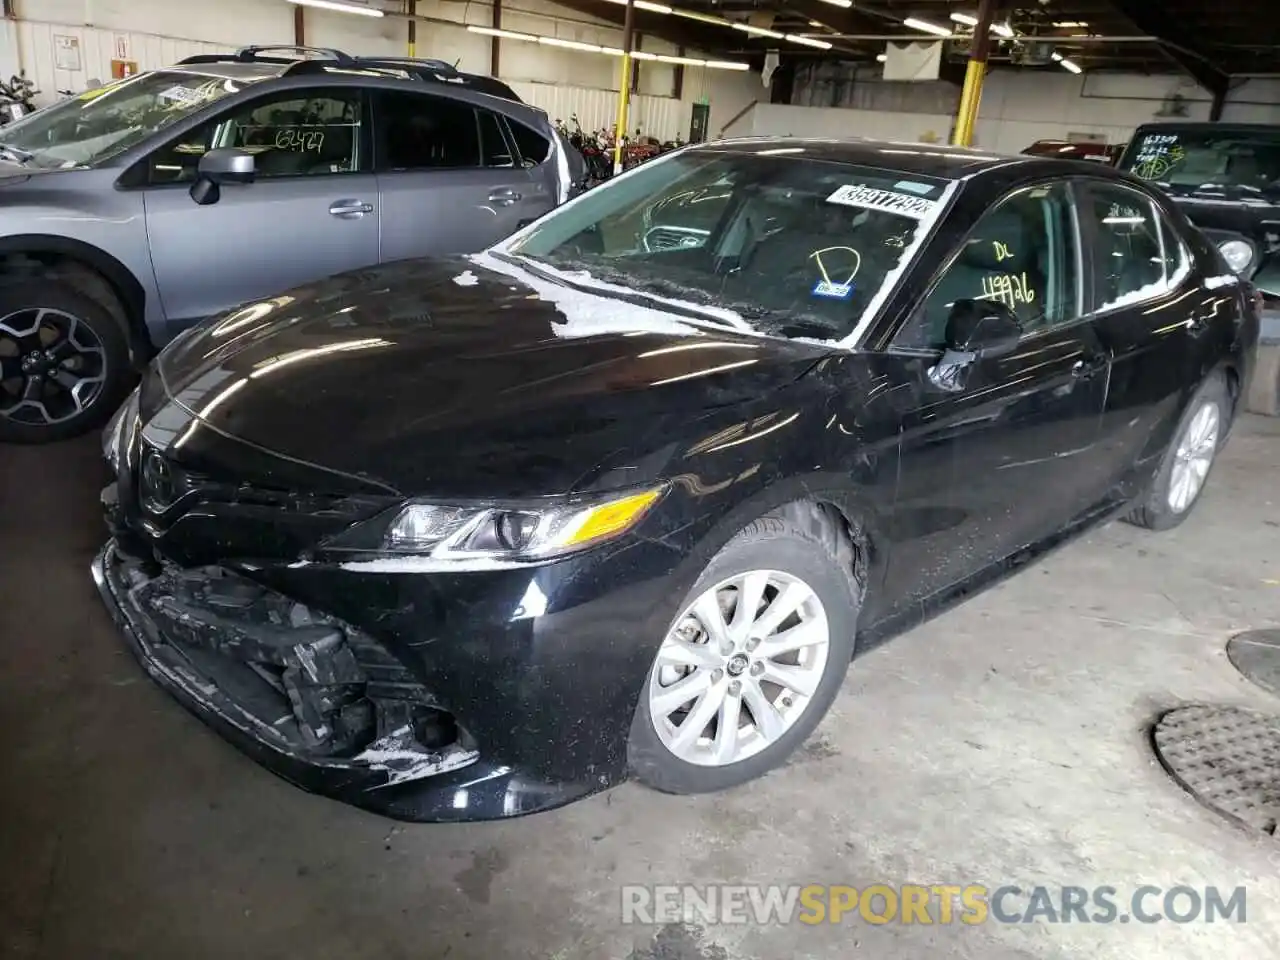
(701, 17)
(1055, 56)
(1067, 24)
(340, 7)
(571, 44)
(927, 27)
(881, 58)
(1069, 65)
(1003, 29)
(846, 4)
(646, 5)
(967, 19)
(505, 34)
(808, 41)
(759, 31)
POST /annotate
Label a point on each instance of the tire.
(1161, 509)
(81, 343)
(798, 544)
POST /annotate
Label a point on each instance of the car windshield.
(1207, 158)
(98, 125)
(793, 246)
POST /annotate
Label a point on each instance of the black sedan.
(470, 538)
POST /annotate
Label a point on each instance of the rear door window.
(1138, 256)
(417, 131)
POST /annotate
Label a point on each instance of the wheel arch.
(117, 280)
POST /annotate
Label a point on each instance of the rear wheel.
(64, 362)
(1189, 459)
(753, 661)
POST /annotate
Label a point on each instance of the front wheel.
(1190, 457)
(64, 362)
(753, 661)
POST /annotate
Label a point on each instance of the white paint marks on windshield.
(873, 198)
(466, 279)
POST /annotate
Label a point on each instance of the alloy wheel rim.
(738, 668)
(1194, 455)
(52, 366)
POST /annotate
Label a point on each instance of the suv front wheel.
(64, 362)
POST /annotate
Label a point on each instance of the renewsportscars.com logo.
(969, 904)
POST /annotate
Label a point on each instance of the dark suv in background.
(1226, 178)
(135, 210)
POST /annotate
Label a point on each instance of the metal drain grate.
(1256, 654)
(1228, 758)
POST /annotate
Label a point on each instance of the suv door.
(1004, 457)
(1153, 313)
(311, 211)
(449, 178)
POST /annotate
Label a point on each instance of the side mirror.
(976, 330)
(982, 328)
(220, 166)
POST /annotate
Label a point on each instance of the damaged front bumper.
(315, 701)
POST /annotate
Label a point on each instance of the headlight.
(505, 532)
(1237, 253)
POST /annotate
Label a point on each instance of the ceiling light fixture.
(1003, 29)
(337, 7)
(759, 31)
(881, 58)
(1068, 24)
(646, 5)
(966, 18)
(807, 41)
(607, 51)
(844, 4)
(927, 27)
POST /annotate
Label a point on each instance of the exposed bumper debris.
(299, 683)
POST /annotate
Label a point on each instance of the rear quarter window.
(1196, 157)
(533, 146)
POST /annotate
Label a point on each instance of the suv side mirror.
(220, 166)
(976, 330)
(982, 328)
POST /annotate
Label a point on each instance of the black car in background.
(1226, 178)
(473, 537)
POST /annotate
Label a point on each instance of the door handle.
(504, 197)
(350, 209)
(1088, 368)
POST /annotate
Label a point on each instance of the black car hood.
(467, 376)
(1228, 209)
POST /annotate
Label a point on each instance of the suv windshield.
(796, 247)
(97, 125)
(1209, 158)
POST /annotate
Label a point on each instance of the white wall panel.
(1254, 101)
(563, 82)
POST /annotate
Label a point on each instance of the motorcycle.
(16, 98)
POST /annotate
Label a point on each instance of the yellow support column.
(624, 89)
(975, 72)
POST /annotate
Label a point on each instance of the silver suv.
(131, 212)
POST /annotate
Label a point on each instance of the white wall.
(155, 33)
(1017, 108)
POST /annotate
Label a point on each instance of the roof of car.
(230, 70)
(927, 159)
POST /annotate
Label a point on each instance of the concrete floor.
(1002, 743)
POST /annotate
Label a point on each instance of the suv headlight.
(1237, 253)
(499, 532)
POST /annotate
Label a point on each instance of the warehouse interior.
(1007, 744)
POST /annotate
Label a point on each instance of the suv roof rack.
(261, 54)
(425, 63)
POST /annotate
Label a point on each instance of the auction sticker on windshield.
(873, 198)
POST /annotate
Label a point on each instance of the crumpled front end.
(316, 701)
